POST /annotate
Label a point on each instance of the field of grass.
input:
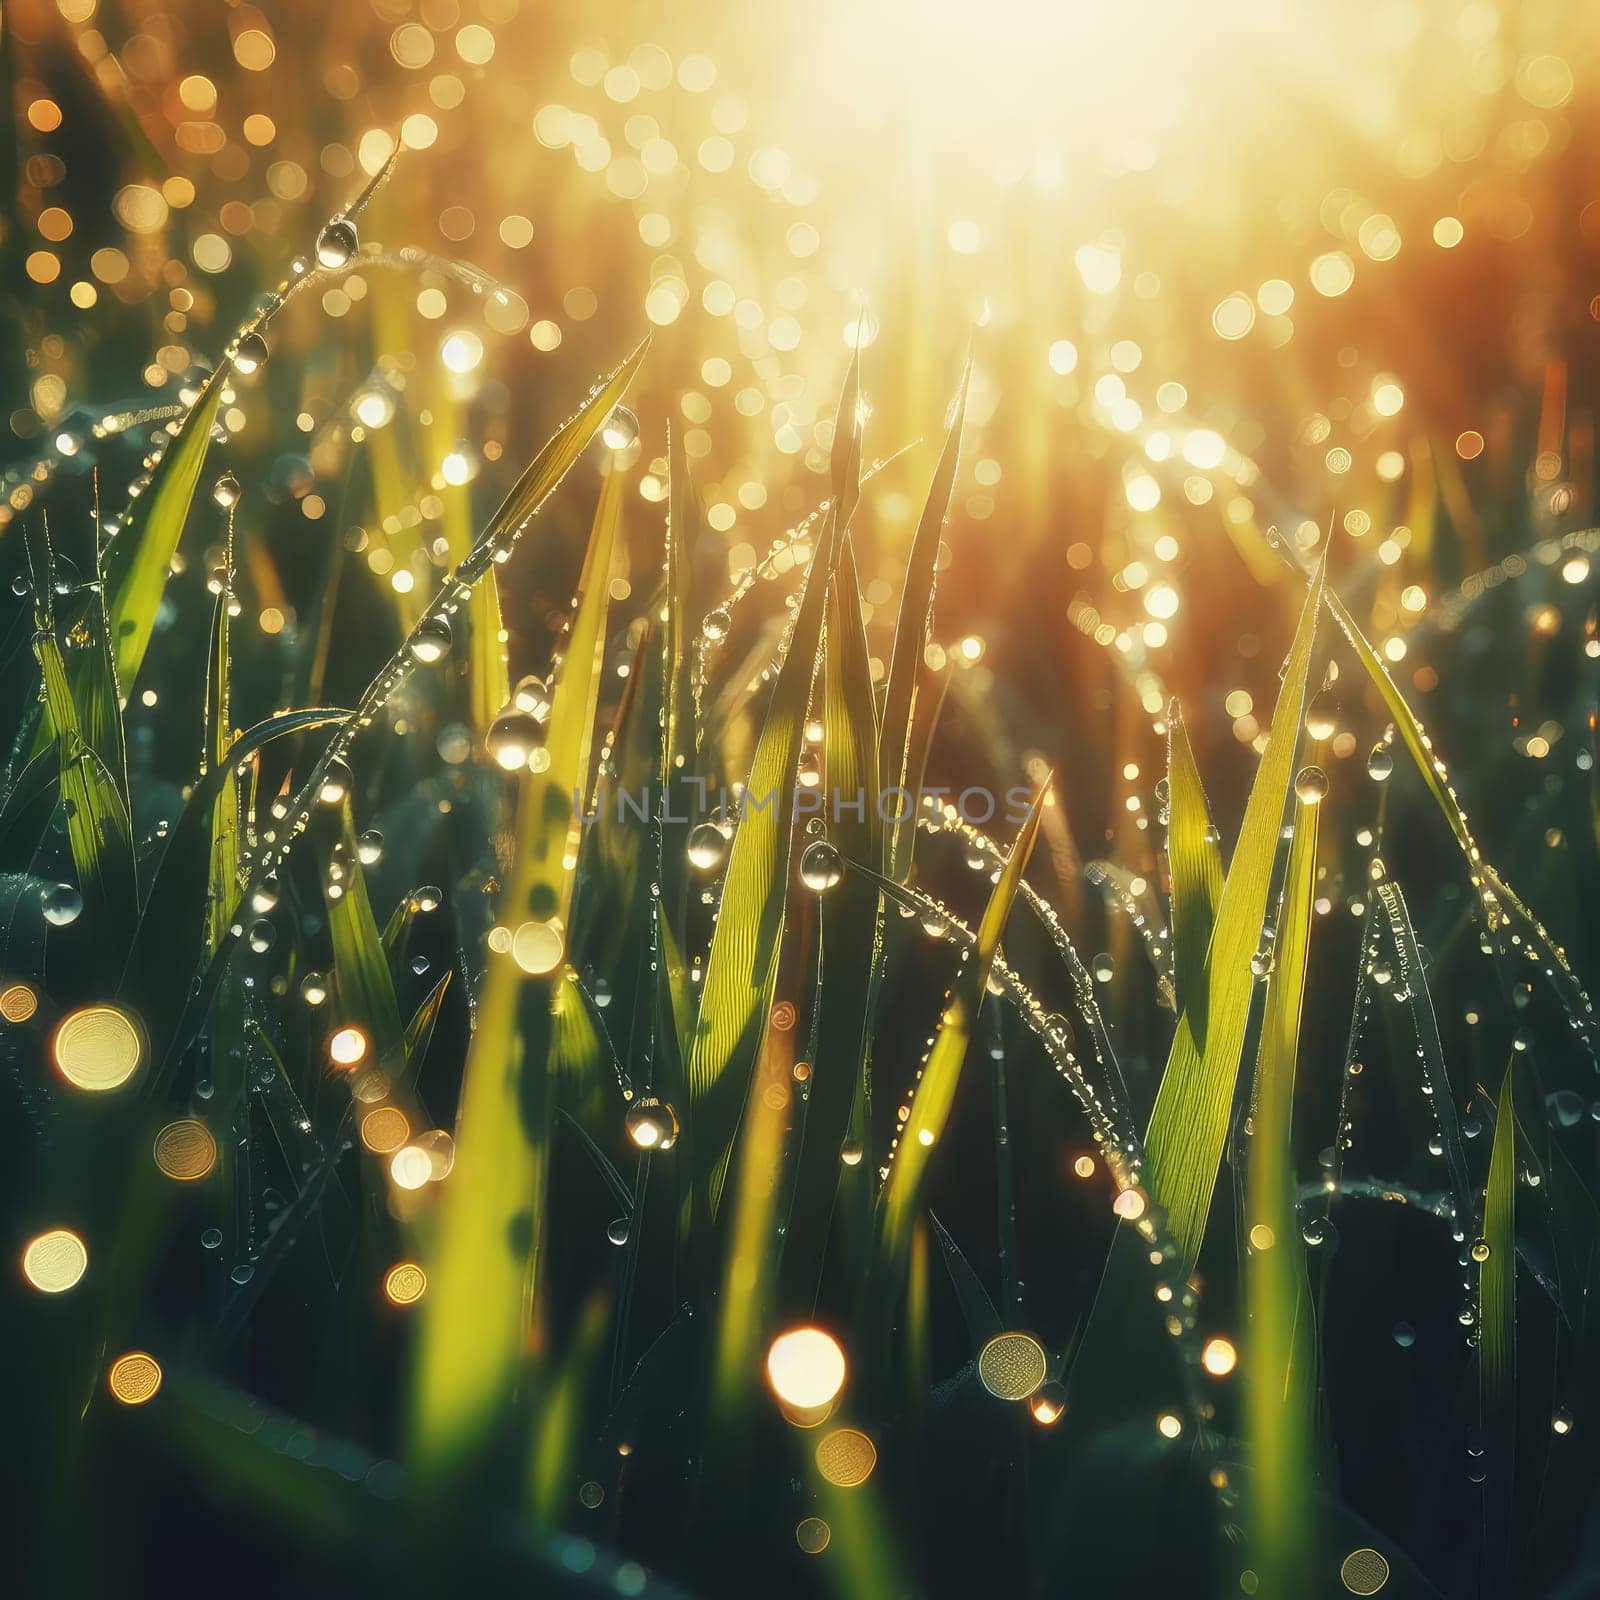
(646, 951)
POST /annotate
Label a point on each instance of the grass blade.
(1195, 861)
(1189, 1123)
(1280, 1353)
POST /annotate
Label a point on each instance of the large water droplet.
(1380, 763)
(652, 1124)
(61, 904)
(225, 491)
(821, 866)
(430, 640)
(716, 625)
(337, 243)
(513, 736)
(251, 353)
(620, 429)
(1311, 785)
(708, 847)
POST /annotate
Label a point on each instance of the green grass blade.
(1194, 859)
(222, 891)
(911, 637)
(744, 948)
(1189, 1122)
(365, 986)
(1497, 1272)
(476, 1326)
(1501, 905)
(139, 558)
(850, 939)
(1280, 1351)
(936, 1092)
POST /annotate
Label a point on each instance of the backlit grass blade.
(1189, 1123)
(476, 1329)
(744, 948)
(1497, 1271)
(849, 916)
(1194, 860)
(910, 639)
(222, 890)
(936, 1091)
(98, 829)
(1280, 1350)
(139, 558)
(1501, 905)
(365, 986)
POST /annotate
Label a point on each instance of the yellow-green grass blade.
(222, 889)
(742, 962)
(139, 558)
(98, 830)
(910, 638)
(476, 1325)
(850, 942)
(1189, 1122)
(1194, 860)
(364, 984)
(1502, 906)
(936, 1091)
(1497, 1272)
(559, 1431)
(1280, 1349)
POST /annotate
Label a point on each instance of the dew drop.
(251, 353)
(620, 429)
(61, 904)
(430, 640)
(337, 243)
(821, 866)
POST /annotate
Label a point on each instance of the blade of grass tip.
(911, 637)
(850, 951)
(1280, 1352)
(1501, 905)
(1189, 1122)
(364, 984)
(476, 1335)
(139, 559)
(935, 1092)
(740, 969)
(1194, 859)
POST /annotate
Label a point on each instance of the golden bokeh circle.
(185, 1150)
(405, 1283)
(98, 1048)
(1364, 1571)
(53, 1262)
(846, 1457)
(134, 1378)
(385, 1129)
(1012, 1365)
(813, 1535)
(18, 1002)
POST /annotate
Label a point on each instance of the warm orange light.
(347, 1047)
(135, 1378)
(53, 1262)
(1219, 1357)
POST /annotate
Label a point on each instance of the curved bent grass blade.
(170, 942)
(742, 964)
(910, 638)
(1189, 1123)
(1410, 987)
(1280, 1351)
(476, 1324)
(936, 1091)
(497, 541)
(138, 559)
(1500, 902)
(1195, 863)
